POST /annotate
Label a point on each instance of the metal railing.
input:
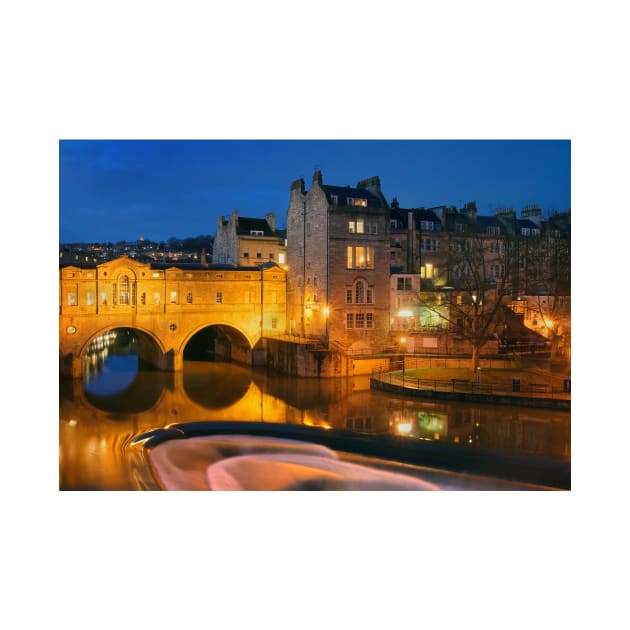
(472, 386)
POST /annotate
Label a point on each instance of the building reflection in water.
(118, 401)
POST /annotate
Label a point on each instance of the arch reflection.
(114, 377)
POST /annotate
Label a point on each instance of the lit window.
(173, 297)
(219, 297)
(123, 290)
(281, 258)
(71, 299)
(89, 298)
(357, 202)
(360, 257)
(156, 298)
(103, 298)
(356, 226)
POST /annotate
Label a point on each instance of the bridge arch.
(217, 340)
(151, 349)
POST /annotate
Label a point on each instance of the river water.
(118, 400)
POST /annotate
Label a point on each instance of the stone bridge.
(166, 305)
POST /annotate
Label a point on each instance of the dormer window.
(357, 202)
(256, 233)
(525, 232)
(426, 225)
(494, 230)
(334, 199)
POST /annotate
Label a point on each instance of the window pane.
(360, 258)
(123, 290)
(359, 293)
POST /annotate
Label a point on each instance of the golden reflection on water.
(96, 431)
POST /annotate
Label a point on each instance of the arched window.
(359, 292)
(123, 290)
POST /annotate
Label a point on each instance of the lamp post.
(403, 343)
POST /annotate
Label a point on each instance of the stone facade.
(247, 241)
(168, 304)
(337, 254)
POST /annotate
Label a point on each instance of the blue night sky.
(114, 190)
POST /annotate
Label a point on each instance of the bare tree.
(472, 303)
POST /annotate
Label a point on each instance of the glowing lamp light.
(405, 313)
(404, 427)
(326, 311)
(403, 340)
(548, 323)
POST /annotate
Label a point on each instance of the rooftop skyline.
(112, 190)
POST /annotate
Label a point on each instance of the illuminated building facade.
(338, 266)
(166, 305)
(247, 241)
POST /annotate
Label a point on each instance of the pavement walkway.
(525, 381)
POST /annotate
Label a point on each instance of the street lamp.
(326, 312)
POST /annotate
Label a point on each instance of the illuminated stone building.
(247, 241)
(166, 305)
(338, 265)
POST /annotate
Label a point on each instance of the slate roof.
(245, 225)
(343, 192)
